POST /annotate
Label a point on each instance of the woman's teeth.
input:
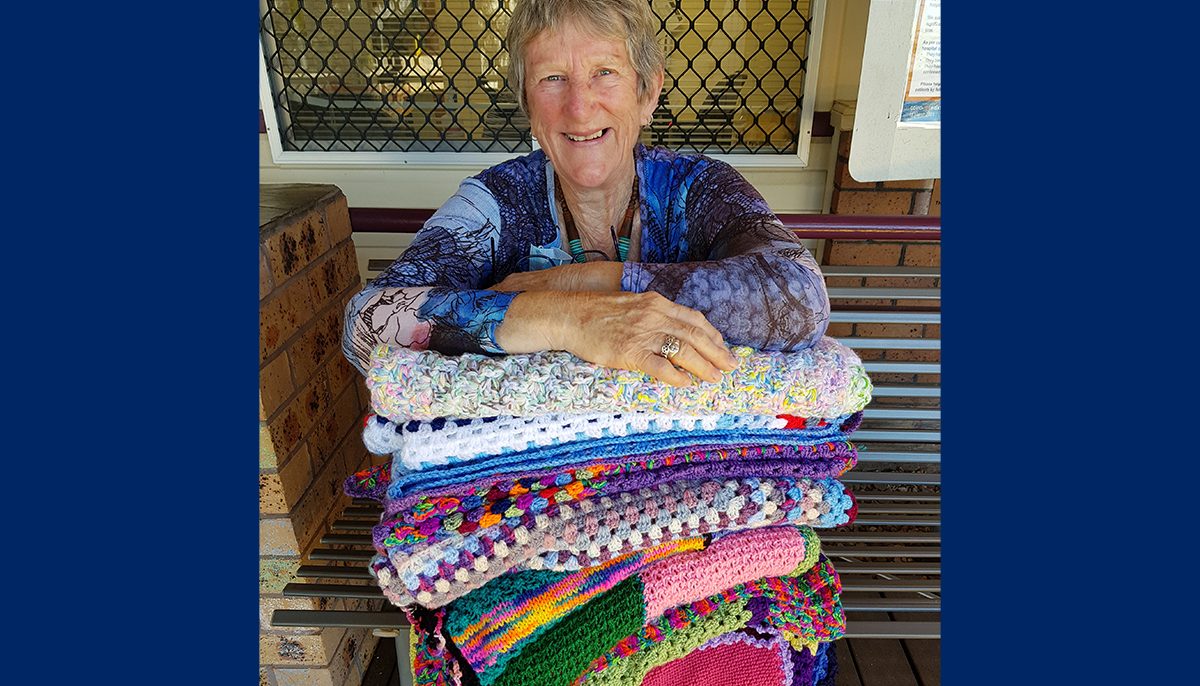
(587, 138)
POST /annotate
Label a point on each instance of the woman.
(690, 257)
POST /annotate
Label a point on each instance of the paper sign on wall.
(923, 93)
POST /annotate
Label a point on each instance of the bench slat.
(858, 343)
(877, 317)
(896, 630)
(875, 270)
(845, 292)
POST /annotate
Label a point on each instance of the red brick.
(295, 476)
(864, 253)
(264, 275)
(923, 255)
(270, 494)
(868, 355)
(274, 386)
(889, 378)
(935, 199)
(927, 304)
(901, 281)
(844, 144)
(290, 426)
(873, 202)
(282, 314)
(294, 246)
(933, 331)
(888, 330)
(929, 378)
(867, 302)
(843, 281)
(317, 344)
(840, 330)
(319, 503)
(337, 217)
(910, 184)
(914, 355)
(845, 181)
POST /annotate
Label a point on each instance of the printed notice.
(923, 94)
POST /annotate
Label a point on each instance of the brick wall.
(311, 402)
(921, 197)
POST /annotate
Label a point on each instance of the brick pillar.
(311, 402)
(921, 197)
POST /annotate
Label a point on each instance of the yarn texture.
(825, 380)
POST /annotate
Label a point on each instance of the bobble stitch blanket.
(826, 380)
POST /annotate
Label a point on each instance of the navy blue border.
(130, 260)
(1064, 358)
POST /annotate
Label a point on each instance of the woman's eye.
(553, 77)
(604, 72)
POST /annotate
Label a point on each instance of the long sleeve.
(737, 264)
(432, 296)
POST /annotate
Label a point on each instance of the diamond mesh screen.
(430, 75)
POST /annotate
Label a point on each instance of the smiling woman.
(695, 260)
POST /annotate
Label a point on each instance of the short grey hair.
(631, 20)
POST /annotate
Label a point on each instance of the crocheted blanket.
(606, 640)
(738, 657)
(436, 514)
(516, 476)
(492, 625)
(825, 380)
(424, 444)
(576, 534)
(805, 606)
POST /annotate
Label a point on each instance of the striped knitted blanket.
(825, 380)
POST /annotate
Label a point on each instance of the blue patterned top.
(708, 241)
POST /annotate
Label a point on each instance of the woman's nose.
(580, 96)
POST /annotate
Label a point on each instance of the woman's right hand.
(622, 330)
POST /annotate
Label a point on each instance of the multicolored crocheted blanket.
(492, 625)
(821, 445)
(608, 640)
(583, 533)
(825, 380)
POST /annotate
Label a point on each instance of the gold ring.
(670, 347)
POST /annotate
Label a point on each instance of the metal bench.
(889, 560)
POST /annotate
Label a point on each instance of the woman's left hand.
(589, 276)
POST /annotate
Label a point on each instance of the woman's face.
(581, 90)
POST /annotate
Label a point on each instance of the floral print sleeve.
(711, 243)
(431, 296)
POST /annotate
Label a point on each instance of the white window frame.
(392, 159)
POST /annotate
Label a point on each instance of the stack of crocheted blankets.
(550, 521)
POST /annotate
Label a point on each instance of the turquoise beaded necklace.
(620, 240)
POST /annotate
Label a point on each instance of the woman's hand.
(588, 276)
(623, 330)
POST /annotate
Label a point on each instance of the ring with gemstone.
(670, 347)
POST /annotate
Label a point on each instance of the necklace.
(620, 240)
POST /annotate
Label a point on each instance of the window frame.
(392, 159)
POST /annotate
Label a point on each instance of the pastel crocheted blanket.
(607, 640)
(492, 625)
(825, 380)
(425, 444)
(434, 570)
